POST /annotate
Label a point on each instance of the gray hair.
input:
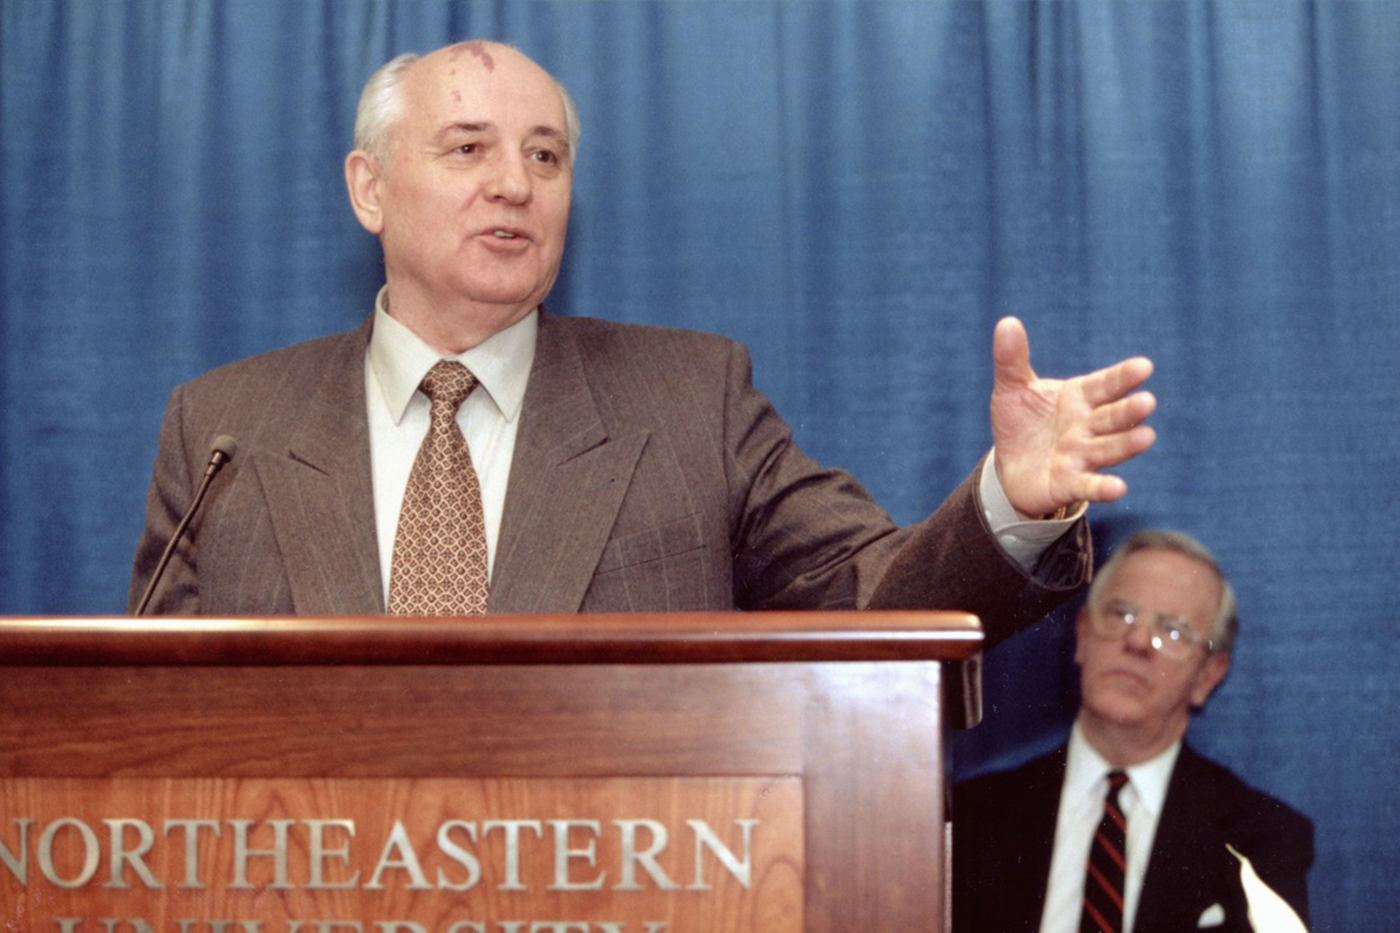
(1226, 625)
(381, 108)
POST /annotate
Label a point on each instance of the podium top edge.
(604, 638)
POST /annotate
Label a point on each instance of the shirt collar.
(1086, 770)
(501, 363)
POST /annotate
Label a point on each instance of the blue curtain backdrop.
(857, 191)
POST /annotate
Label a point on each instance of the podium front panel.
(456, 797)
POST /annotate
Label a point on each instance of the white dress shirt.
(1081, 809)
(397, 361)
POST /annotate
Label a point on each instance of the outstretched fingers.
(1119, 447)
(1099, 487)
(1123, 414)
(1115, 432)
(1115, 382)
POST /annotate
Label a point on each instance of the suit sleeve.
(808, 537)
(951, 560)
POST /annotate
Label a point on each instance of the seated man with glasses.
(1127, 828)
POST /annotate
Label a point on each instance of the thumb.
(1011, 354)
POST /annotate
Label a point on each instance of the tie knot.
(1116, 781)
(448, 381)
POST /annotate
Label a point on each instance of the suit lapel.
(1003, 839)
(1188, 853)
(567, 481)
(320, 492)
(1045, 780)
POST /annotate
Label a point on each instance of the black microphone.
(224, 449)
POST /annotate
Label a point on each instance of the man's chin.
(1114, 704)
(506, 294)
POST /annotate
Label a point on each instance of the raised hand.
(1054, 436)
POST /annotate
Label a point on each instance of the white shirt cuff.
(1023, 539)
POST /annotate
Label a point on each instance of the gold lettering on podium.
(441, 855)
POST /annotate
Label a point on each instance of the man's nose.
(510, 180)
(1139, 636)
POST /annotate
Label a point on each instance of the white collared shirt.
(1081, 809)
(396, 362)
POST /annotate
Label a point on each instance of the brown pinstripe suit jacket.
(649, 475)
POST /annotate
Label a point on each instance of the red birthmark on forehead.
(477, 50)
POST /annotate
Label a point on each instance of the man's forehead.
(478, 74)
(479, 61)
(1168, 562)
(1187, 575)
(477, 50)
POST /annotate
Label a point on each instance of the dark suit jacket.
(1004, 828)
(648, 475)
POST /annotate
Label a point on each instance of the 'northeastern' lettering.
(318, 854)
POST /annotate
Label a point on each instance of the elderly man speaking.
(465, 450)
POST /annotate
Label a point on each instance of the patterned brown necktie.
(1103, 883)
(439, 563)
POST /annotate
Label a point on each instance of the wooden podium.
(685, 773)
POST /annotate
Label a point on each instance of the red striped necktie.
(1103, 883)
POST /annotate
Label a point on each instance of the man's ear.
(362, 176)
(1212, 672)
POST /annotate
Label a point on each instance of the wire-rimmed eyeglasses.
(1172, 635)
